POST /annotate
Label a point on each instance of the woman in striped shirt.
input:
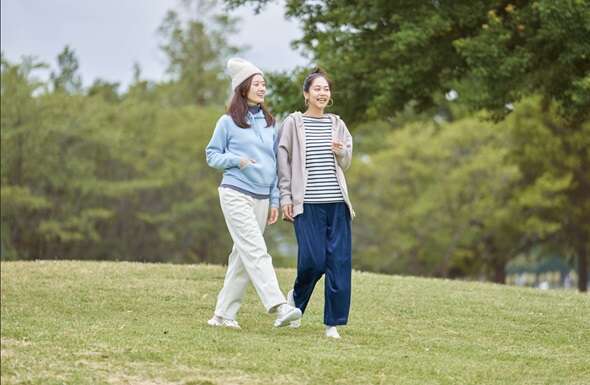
(314, 149)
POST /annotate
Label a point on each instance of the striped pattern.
(322, 184)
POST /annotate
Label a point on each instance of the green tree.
(196, 50)
(140, 89)
(437, 201)
(19, 117)
(554, 160)
(67, 79)
(104, 89)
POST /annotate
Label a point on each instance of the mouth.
(322, 100)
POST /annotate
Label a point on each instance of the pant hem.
(273, 309)
(224, 317)
(341, 323)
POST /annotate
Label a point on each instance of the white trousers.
(249, 260)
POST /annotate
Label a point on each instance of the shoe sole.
(218, 325)
(212, 323)
(289, 317)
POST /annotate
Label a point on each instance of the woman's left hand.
(273, 215)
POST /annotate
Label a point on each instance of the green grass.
(131, 323)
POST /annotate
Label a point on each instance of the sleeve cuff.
(235, 160)
(286, 200)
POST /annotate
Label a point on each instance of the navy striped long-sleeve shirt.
(322, 184)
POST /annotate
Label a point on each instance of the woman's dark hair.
(316, 73)
(238, 106)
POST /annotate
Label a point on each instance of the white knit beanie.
(240, 70)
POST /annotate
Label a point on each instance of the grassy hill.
(131, 323)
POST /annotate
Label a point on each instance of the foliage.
(466, 197)
(67, 79)
(447, 196)
(86, 177)
(385, 54)
(196, 49)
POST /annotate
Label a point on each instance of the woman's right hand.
(288, 213)
(245, 162)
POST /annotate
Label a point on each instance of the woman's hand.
(245, 162)
(337, 147)
(288, 213)
(273, 215)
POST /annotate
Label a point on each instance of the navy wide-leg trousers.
(324, 239)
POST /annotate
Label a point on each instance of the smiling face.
(319, 93)
(257, 90)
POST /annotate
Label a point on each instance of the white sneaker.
(226, 323)
(332, 332)
(291, 301)
(285, 314)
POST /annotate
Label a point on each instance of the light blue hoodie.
(230, 143)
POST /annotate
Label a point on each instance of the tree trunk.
(496, 261)
(583, 268)
(499, 273)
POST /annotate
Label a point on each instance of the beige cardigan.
(291, 160)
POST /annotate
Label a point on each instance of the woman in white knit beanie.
(242, 146)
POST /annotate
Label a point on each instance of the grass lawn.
(132, 323)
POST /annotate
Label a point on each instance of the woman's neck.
(314, 112)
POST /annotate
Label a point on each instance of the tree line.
(442, 186)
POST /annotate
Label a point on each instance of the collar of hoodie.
(254, 125)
